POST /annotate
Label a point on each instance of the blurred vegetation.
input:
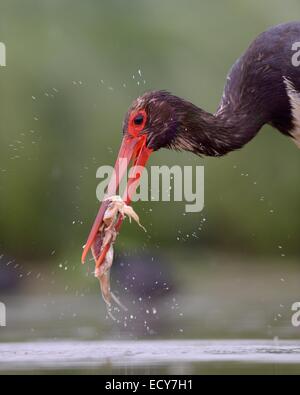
(69, 81)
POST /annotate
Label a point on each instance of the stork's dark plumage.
(263, 87)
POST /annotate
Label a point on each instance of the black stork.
(262, 87)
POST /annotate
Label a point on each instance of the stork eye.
(137, 122)
(139, 119)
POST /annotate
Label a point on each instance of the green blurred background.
(72, 71)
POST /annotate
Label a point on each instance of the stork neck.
(218, 134)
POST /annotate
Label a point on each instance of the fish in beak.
(133, 151)
(106, 236)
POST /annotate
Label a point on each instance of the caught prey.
(102, 248)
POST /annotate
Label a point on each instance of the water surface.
(158, 356)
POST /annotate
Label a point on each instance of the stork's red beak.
(133, 150)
